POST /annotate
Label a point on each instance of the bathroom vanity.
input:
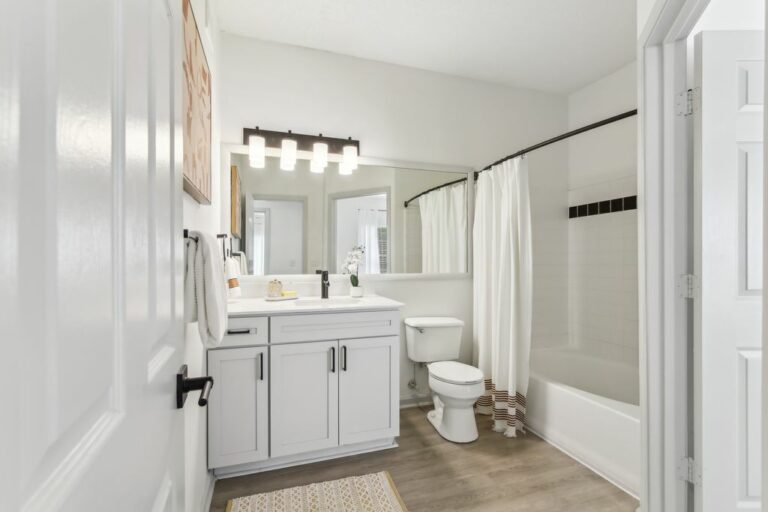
(303, 380)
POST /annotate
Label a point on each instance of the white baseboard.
(208, 498)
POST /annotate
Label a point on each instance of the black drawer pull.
(344, 357)
(241, 331)
(333, 359)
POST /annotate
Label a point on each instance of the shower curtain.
(444, 229)
(503, 292)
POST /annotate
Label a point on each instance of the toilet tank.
(433, 338)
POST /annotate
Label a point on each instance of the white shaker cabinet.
(369, 389)
(296, 388)
(238, 406)
(305, 397)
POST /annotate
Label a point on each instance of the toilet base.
(455, 425)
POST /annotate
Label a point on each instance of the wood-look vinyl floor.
(493, 474)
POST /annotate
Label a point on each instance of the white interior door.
(728, 163)
(90, 251)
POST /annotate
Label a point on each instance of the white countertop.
(258, 306)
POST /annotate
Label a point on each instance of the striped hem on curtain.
(507, 412)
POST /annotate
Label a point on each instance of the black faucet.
(324, 283)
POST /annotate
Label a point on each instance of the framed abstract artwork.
(196, 94)
(236, 205)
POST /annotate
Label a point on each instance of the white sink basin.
(332, 301)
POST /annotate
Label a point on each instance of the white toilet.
(455, 386)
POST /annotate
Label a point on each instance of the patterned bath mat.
(368, 493)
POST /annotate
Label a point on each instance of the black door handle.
(184, 385)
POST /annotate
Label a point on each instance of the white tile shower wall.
(603, 290)
(602, 249)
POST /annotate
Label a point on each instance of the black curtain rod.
(563, 137)
(540, 145)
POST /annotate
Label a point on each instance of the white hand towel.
(210, 292)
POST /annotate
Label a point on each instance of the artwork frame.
(196, 110)
(235, 204)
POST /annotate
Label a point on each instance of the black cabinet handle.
(261, 366)
(333, 359)
(344, 357)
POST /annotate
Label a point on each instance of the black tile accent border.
(610, 206)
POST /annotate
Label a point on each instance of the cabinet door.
(305, 397)
(238, 407)
(369, 389)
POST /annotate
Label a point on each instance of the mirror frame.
(228, 149)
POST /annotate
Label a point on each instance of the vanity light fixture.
(288, 152)
(318, 149)
(320, 153)
(257, 151)
(349, 156)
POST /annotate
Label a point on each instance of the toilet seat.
(453, 372)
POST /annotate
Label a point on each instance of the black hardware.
(273, 139)
(184, 385)
(324, 283)
(344, 357)
(333, 359)
(540, 145)
(261, 366)
(620, 204)
(186, 235)
(223, 236)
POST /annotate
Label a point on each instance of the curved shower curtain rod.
(540, 145)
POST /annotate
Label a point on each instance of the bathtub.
(588, 408)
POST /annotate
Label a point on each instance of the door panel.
(369, 389)
(91, 88)
(304, 403)
(238, 411)
(728, 162)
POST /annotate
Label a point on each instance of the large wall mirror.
(294, 222)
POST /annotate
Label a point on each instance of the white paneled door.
(90, 255)
(728, 121)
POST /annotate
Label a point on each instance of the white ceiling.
(551, 45)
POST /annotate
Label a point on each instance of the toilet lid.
(455, 373)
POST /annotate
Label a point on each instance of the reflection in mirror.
(295, 222)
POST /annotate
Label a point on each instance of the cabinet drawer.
(246, 331)
(334, 326)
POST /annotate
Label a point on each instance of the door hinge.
(688, 286)
(689, 471)
(685, 103)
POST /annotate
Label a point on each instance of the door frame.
(332, 217)
(665, 200)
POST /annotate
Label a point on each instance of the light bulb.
(257, 151)
(288, 155)
(349, 157)
(320, 153)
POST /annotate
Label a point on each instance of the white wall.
(602, 284)
(408, 114)
(396, 112)
(198, 480)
